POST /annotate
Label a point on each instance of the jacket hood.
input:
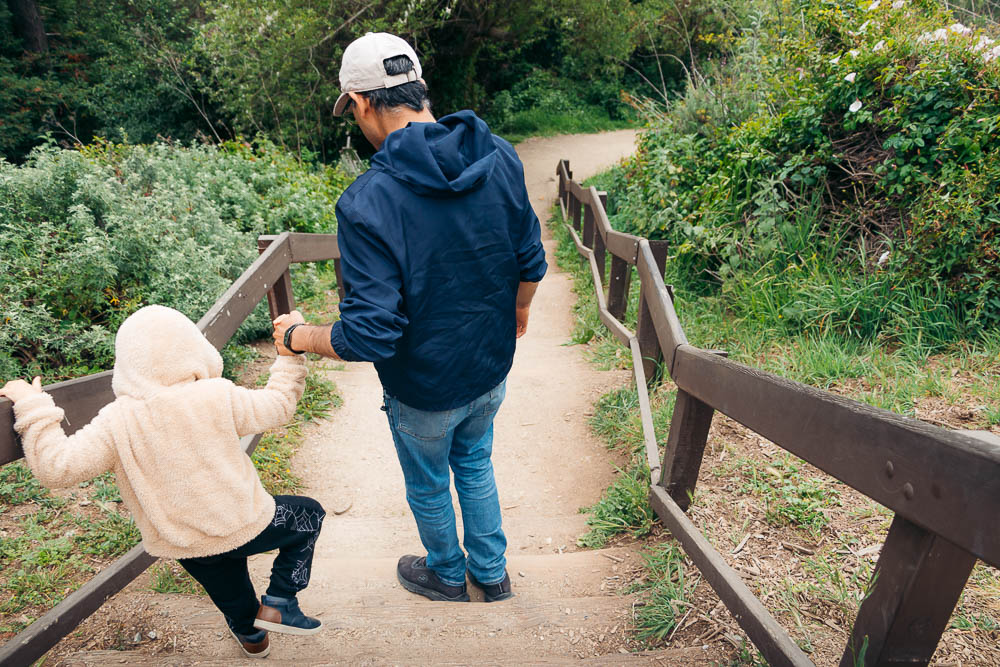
(450, 157)
(158, 347)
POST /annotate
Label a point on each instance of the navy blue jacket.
(434, 239)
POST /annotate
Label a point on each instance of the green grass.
(623, 508)
(666, 592)
(19, 486)
(273, 456)
(170, 577)
(789, 498)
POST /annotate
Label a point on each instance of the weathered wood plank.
(650, 342)
(943, 481)
(35, 640)
(618, 287)
(645, 413)
(600, 255)
(619, 330)
(80, 398)
(659, 307)
(588, 225)
(280, 300)
(916, 585)
(685, 448)
(227, 314)
(769, 637)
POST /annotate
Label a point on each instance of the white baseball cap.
(362, 68)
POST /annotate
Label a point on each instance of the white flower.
(898, 4)
(853, 53)
(855, 106)
(959, 29)
(864, 26)
(983, 42)
(872, 7)
(992, 54)
(939, 35)
(879, 46)
(883, 258)
(850, 77)
(835, 60)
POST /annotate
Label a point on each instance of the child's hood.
(158, 347)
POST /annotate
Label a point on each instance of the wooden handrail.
(82, 398)
(944, 486)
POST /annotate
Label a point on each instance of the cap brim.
(341, 104)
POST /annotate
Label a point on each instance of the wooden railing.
(81, 398)
(943, 486)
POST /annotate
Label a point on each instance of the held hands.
(15, 390)
(281, 324)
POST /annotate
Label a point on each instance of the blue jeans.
(428, 443)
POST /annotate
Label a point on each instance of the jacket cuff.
(284, 361)
(535, 273)
(339, 343)
(32, 408)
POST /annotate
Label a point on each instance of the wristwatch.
(287, 341)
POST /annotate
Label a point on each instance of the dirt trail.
(548, 465)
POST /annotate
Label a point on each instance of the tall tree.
(28, 24)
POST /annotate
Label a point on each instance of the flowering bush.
(89, 236)
(857, 130)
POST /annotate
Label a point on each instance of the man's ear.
(361, 103)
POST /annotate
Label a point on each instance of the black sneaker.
(417, 578)
(495, 592)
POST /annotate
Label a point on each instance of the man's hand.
(281, 324)
(521, 313)
(15, 390)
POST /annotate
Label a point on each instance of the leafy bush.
(87, 237)
(840, 173)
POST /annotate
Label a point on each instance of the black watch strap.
(287, 341)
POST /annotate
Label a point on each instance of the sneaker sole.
(429, 592)
(499, 598)
(286, 629)
(263, 654)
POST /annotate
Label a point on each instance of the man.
(441, 254)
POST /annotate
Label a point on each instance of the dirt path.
(548, 465)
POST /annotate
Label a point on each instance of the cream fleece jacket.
(172, 437)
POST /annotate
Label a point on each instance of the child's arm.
(256, 410)
(55, 459)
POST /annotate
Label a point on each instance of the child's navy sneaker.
(283, 615)
(495, 592)
(254, 645)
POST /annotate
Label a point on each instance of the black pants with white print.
(293, 531)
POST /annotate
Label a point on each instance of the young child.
(172, 436)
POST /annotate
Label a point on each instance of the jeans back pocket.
(422, 424)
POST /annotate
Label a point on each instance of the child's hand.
(281, 324)
(15, 390)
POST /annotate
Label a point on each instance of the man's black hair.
(412, 94)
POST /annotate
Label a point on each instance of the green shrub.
(840, 174)
(89, 236)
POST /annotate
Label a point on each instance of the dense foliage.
(134, 70)
(839, 173)
(89, 236)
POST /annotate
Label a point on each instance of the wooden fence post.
(649, 343)
(618, 287)
(917, 583)
(280, 299)
(685, 447)
(588, 224)
(598, 244)
(576, 210)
